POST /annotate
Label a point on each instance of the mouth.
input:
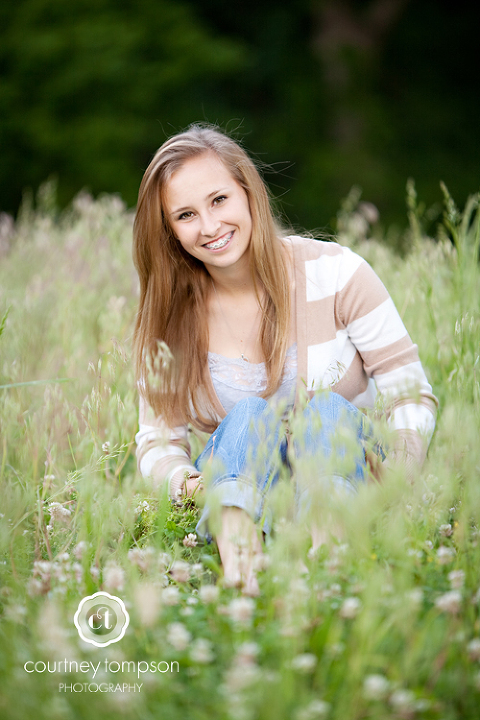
(220, 243)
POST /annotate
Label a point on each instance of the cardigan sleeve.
(163, 453)
(391, 359)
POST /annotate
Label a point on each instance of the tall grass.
(385, 624)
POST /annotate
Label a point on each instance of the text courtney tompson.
(71, 666)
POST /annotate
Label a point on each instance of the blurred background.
(328, 94)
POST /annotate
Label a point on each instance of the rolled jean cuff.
(239, 492)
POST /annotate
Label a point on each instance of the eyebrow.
(187, 207)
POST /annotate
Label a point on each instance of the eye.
(220, 199)
(185, 215)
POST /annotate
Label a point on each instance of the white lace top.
(235, 379)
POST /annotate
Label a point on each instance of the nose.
(209, 226)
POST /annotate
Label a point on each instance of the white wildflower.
(202, 651)
(350, 608)
(180, 571)
(209, 593)
(305, 662)
(446, 530)
(316, 710)
(445, 555)
(190, 540)
(113, 577)
(239, 677)
(142, 507)
(241, 610)
(178, 636)
(473, 649)
(403, 701)
(187, 611)
(247, 653)
(170, 595)
(80, 549)
(58, 513)
(141, 557)
(375, 687)
(457, 579)
(415, 596)
(449, 602)
(106, 447)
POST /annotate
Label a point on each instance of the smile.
(220, 243)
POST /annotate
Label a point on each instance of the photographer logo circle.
(101, 619)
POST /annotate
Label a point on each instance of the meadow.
(385, 623)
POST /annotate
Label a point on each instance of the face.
(209, 213)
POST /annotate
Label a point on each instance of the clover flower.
(445, 555)
(247, 653)
(304, 663)
(202, 651)
(457, 579)
(449, 602)
(58, 513)
(208, 593)
(170, 595)
(316, 710)
(178, 636)
(375, 687)
(180, 571)
(190, 540)
(241, 610)
(114, 577)
(446, 530)
(350, 608)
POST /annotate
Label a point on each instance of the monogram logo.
(101, 619)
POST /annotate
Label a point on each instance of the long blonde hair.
(174, 285)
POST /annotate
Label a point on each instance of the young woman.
(237, 324)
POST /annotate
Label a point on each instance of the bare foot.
(239, 545)
(325, 535)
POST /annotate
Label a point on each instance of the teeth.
(219, 243)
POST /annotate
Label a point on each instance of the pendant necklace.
(242, 355)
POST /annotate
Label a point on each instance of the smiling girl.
(252, 318)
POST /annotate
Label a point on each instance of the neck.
(232, 282)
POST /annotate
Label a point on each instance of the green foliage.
(328, 95)
(385, 622)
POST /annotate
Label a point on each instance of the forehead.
(197, 178)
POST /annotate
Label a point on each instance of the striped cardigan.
(350, 338)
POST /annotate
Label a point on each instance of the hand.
(193, 487)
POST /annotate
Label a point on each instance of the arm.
(391, 359)
(163, 453)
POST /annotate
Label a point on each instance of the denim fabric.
(247, 450)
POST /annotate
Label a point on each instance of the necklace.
(242, 355)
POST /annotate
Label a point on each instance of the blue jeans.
(246, 452)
